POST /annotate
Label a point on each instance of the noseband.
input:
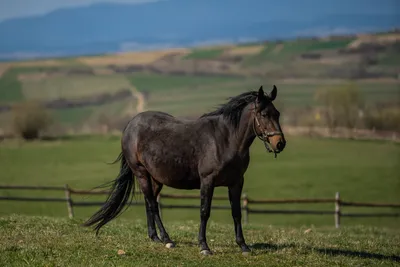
(264, 134)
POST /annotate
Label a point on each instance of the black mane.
(233, 109)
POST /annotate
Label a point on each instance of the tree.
(29, 119)
(342, 105)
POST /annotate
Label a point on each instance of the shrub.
(342, 105)
(383, 118)
(29, 119)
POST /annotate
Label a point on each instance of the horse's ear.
(260, 95)
(273, 93)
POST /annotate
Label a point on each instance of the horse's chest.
(231, 171)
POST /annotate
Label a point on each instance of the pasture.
(44, 241)
(202, 98)
(309, 168)
(72, 88)
(189, 82)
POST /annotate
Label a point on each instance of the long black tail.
(121, 189)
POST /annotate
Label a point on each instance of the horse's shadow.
(327, 251)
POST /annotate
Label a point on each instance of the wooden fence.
(246, 203)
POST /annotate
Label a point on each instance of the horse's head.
(266, 121)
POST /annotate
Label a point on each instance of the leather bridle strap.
(264, 134)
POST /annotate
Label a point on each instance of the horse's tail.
(122, 187)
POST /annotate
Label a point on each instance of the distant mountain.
(103, 28)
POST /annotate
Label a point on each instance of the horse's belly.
(188, 184)
(175, 175)
(179, 181)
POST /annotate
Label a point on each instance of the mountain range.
(114, 27)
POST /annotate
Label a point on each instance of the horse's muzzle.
(280, 146)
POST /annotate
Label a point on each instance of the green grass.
(292, 48)
(390, 58)
(13, 90)
(113, 110)
(309, 168)
(38, 241)
(72, 115)
(186, 101)
(73, 87)
(159, 82)
(298, 47)
(204, 53)
(193, 102)
(91, 114)
(10, 87)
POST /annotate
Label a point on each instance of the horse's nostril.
(280, 145)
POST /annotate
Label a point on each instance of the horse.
(211, 151)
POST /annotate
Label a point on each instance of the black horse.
(213, 150)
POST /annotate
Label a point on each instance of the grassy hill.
(189, 82)
(42, 241)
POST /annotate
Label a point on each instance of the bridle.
(264, 133)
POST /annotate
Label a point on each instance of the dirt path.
(141, 102)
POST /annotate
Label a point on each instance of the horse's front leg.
(206, 194)
(235, 191)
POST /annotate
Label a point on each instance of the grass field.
(181, 100)
(158, 82)
(10, 88)
(282, 52)
(73, 87)
(178, 95)
(359, 170)
(210, 53)
(191, 95)
(38, 241)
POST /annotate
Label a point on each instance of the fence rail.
(246, 201)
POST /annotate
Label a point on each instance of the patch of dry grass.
(383, 39)
(121, 59)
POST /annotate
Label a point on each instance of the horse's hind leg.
(150, 190)
(151, 227)
(163, 233)
(144, 181)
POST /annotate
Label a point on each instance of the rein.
(265, 135)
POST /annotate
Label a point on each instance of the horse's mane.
(233, 109)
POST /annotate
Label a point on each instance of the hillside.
(106, 90)
(59, 242)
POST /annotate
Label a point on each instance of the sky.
(22, 8)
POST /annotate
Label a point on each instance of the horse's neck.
(245, 133)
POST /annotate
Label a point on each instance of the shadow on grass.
(328, 251)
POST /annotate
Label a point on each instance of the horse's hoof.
(206, 252)
(170, 245)
(246, 253)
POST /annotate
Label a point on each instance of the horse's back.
(170, 148)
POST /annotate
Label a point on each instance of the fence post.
(246, 209)
(69, 202)
(337, 210)
(159, 205)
